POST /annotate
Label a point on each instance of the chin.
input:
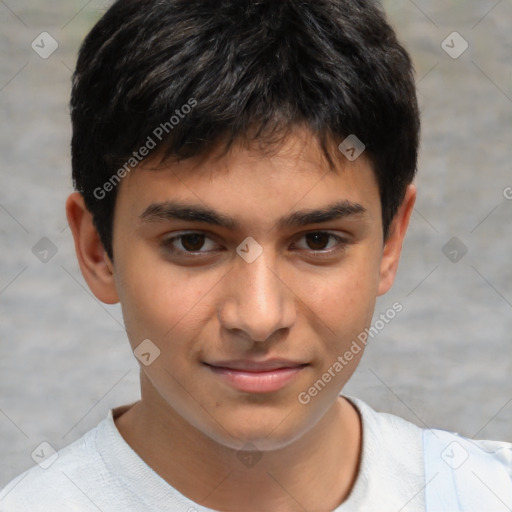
(267, 430)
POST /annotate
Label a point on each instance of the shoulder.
(449, 471)
(391, 475)
(401, 439)
(461, 472)
(62, 481)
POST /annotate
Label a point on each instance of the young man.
(244, 180)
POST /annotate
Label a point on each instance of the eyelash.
(167, 245)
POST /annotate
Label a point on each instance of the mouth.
(257, 377)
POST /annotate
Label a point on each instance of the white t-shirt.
(100, 471)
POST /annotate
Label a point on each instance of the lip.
(257, 376)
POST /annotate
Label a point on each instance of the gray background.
(445, 361)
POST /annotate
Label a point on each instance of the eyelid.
(342, 242)
(167, 242)
(337, 236)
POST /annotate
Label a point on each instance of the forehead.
(252, 185)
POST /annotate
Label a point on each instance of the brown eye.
(318, 241)
(192, 242)
(322, 244)
(189, 243)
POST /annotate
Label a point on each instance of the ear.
(393, 245)
(96, 267)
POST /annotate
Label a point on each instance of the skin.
(215, 307)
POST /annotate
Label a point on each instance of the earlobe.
(393, 246)
(96, 267)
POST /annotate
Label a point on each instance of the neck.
(315, 472)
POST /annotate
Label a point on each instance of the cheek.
(340, 305)
(158, 300)
(342, 297)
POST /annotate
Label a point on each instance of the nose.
(257, 303)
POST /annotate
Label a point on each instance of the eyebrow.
(176, 210)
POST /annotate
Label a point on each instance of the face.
(251, 304)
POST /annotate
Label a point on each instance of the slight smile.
(257, 377)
